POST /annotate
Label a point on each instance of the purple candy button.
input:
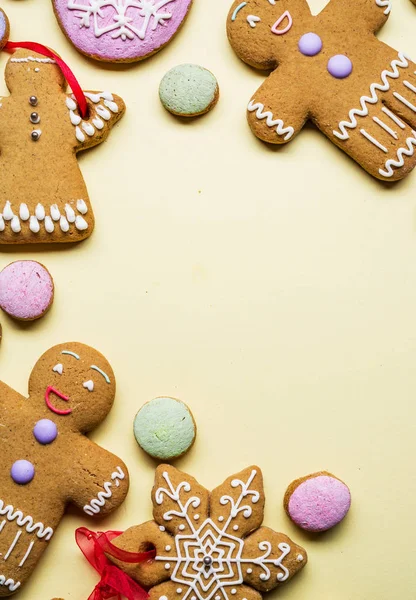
(340, 66)
(22, 472)
(45, 431)
(310, 44)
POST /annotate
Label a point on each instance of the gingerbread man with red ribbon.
(332, 70)
(46, 462)
(43, 196)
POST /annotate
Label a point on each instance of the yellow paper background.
(274, 291)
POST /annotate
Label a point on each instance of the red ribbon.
(68, 74)
(114, 582)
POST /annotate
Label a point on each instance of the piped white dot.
(167, 548)
(167, 566)
(233, 591)
(299, 558)
(182, 527)
(221, 519)
(263, 576)
(163, 598)
(196, 517)
(162, 528)
(249, 571)
(179, 590)
(235, 527)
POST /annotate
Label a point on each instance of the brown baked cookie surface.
(46, 462)
(209, 546)
(43, 196)
(332, 70)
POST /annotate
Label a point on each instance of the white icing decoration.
(209, 539)
(89, 385)
(373, 140)
(34, 225)
(63, 224)
(106, 377)
(7, 212)
(121, 26)
(270, 121)
(38, 131)
(80, 223)
(15, 225)
(40, 212)
(252, 20)
(179, 590)
(28, 551)
(182, 527)
(163, 598)
(168, 548)
(12, 545)
(2, 225)
(249, 571)
(221, 518)
(373, 99)
(96, 123)
(49, 225)
(59, 368)
(24, 212)
(70, 213)
(12, 514)
(383, 3)
(55, 214)
(299, 558)
(10, 583)
(162, 528)
(167, 566)
(95, 505)
(33, 59)
(37, 70)
(235, 527)
(401, 153)
(386, 128)
(404, 101)
(82, 207)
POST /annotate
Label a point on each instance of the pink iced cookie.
(120, 30)
(26, 290)
(317, 502)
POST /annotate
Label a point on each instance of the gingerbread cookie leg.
(379, 132)
(274, 113)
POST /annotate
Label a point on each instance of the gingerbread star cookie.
(43, 196)
(332, 70)
(209, 546)
(47, 462)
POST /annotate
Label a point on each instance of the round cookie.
(4, 28)
(120, 30)
(26, 290)
(165, 428)
(317, 502)
(189, 90)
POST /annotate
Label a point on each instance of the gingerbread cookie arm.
(100, 482)
(104, 110)
(274, 113)
(372, 14)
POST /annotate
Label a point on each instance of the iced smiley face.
(120, 30)
(75, 383)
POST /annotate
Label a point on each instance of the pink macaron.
(26, 290)
(317, 502)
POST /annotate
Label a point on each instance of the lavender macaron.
(317, 502)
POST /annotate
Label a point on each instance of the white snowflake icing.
(122, 25)
(209, 559)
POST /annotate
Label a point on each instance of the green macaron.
(164, 428)
(188, 90)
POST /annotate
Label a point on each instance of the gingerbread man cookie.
(209, 546)
(332, 70)
(46, 462)
(43, 197)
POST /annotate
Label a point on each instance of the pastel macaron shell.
(4, 28)
(317, 502)
(188, 90)
(165, 428)
(120, 32)
(26, 290)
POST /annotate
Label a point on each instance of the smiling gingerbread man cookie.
(46, 462)
(209, 546)
(43, 196)
(332, 70)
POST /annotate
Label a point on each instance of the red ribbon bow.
(67, 73)
(114, 583)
